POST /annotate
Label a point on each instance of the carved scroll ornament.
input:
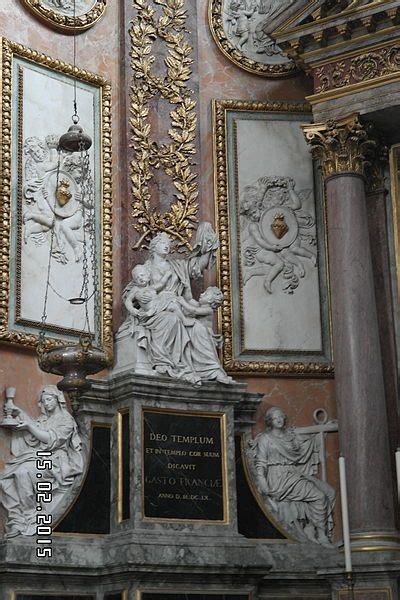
(369, 66)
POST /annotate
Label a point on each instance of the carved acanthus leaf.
(341, 146)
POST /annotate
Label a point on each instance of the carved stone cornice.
(326, 25)
(343, 146)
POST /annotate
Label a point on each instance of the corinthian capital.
(342, 146)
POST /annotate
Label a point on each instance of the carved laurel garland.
(151, 25)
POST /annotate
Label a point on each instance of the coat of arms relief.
(278, 234)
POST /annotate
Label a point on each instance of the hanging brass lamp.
(75, 361)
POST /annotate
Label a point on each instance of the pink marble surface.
(103, 49)
(220, 79)
(97, 51)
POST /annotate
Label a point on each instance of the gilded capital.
(342, 146)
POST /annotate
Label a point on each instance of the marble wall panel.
(39, 116)
(97, 51)
(276, 238)
(103, 49)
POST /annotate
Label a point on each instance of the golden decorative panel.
(61, 14)
(240, 35)
(157, 30)
(37, 215)
(358, 71)
(272, 268)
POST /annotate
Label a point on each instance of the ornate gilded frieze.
(155, 30)
(342, 146)
(353, 70)
(64, 15)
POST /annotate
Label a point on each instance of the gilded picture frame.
(244, 45)
(61, 16)
(33, 86)
(395, 196)
(269, 326)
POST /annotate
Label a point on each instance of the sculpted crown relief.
(278, 235)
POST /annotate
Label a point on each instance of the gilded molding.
(364, 67)
(395, 200)
(225, 316)
(174, 158)
(283, 69)
(8, 51)
(342, 146)
(64, 22)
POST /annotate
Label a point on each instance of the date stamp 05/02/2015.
(44, 495)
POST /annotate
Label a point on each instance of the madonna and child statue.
(167, 332)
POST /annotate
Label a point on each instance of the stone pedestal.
(193, 549)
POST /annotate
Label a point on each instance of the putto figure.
(277, 233)
(52, 200)
(54, 431)
(172, 332)
(286, 465)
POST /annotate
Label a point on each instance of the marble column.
(343, 148)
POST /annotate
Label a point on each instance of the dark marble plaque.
(54, 596)
(91, 511)
(183, 460)
(191, 596)
(125, 467)
(252, 521)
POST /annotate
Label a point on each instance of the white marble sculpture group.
(168, 332)
(54, 432)
(285, 465)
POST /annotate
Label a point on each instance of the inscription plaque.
(184, 473)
